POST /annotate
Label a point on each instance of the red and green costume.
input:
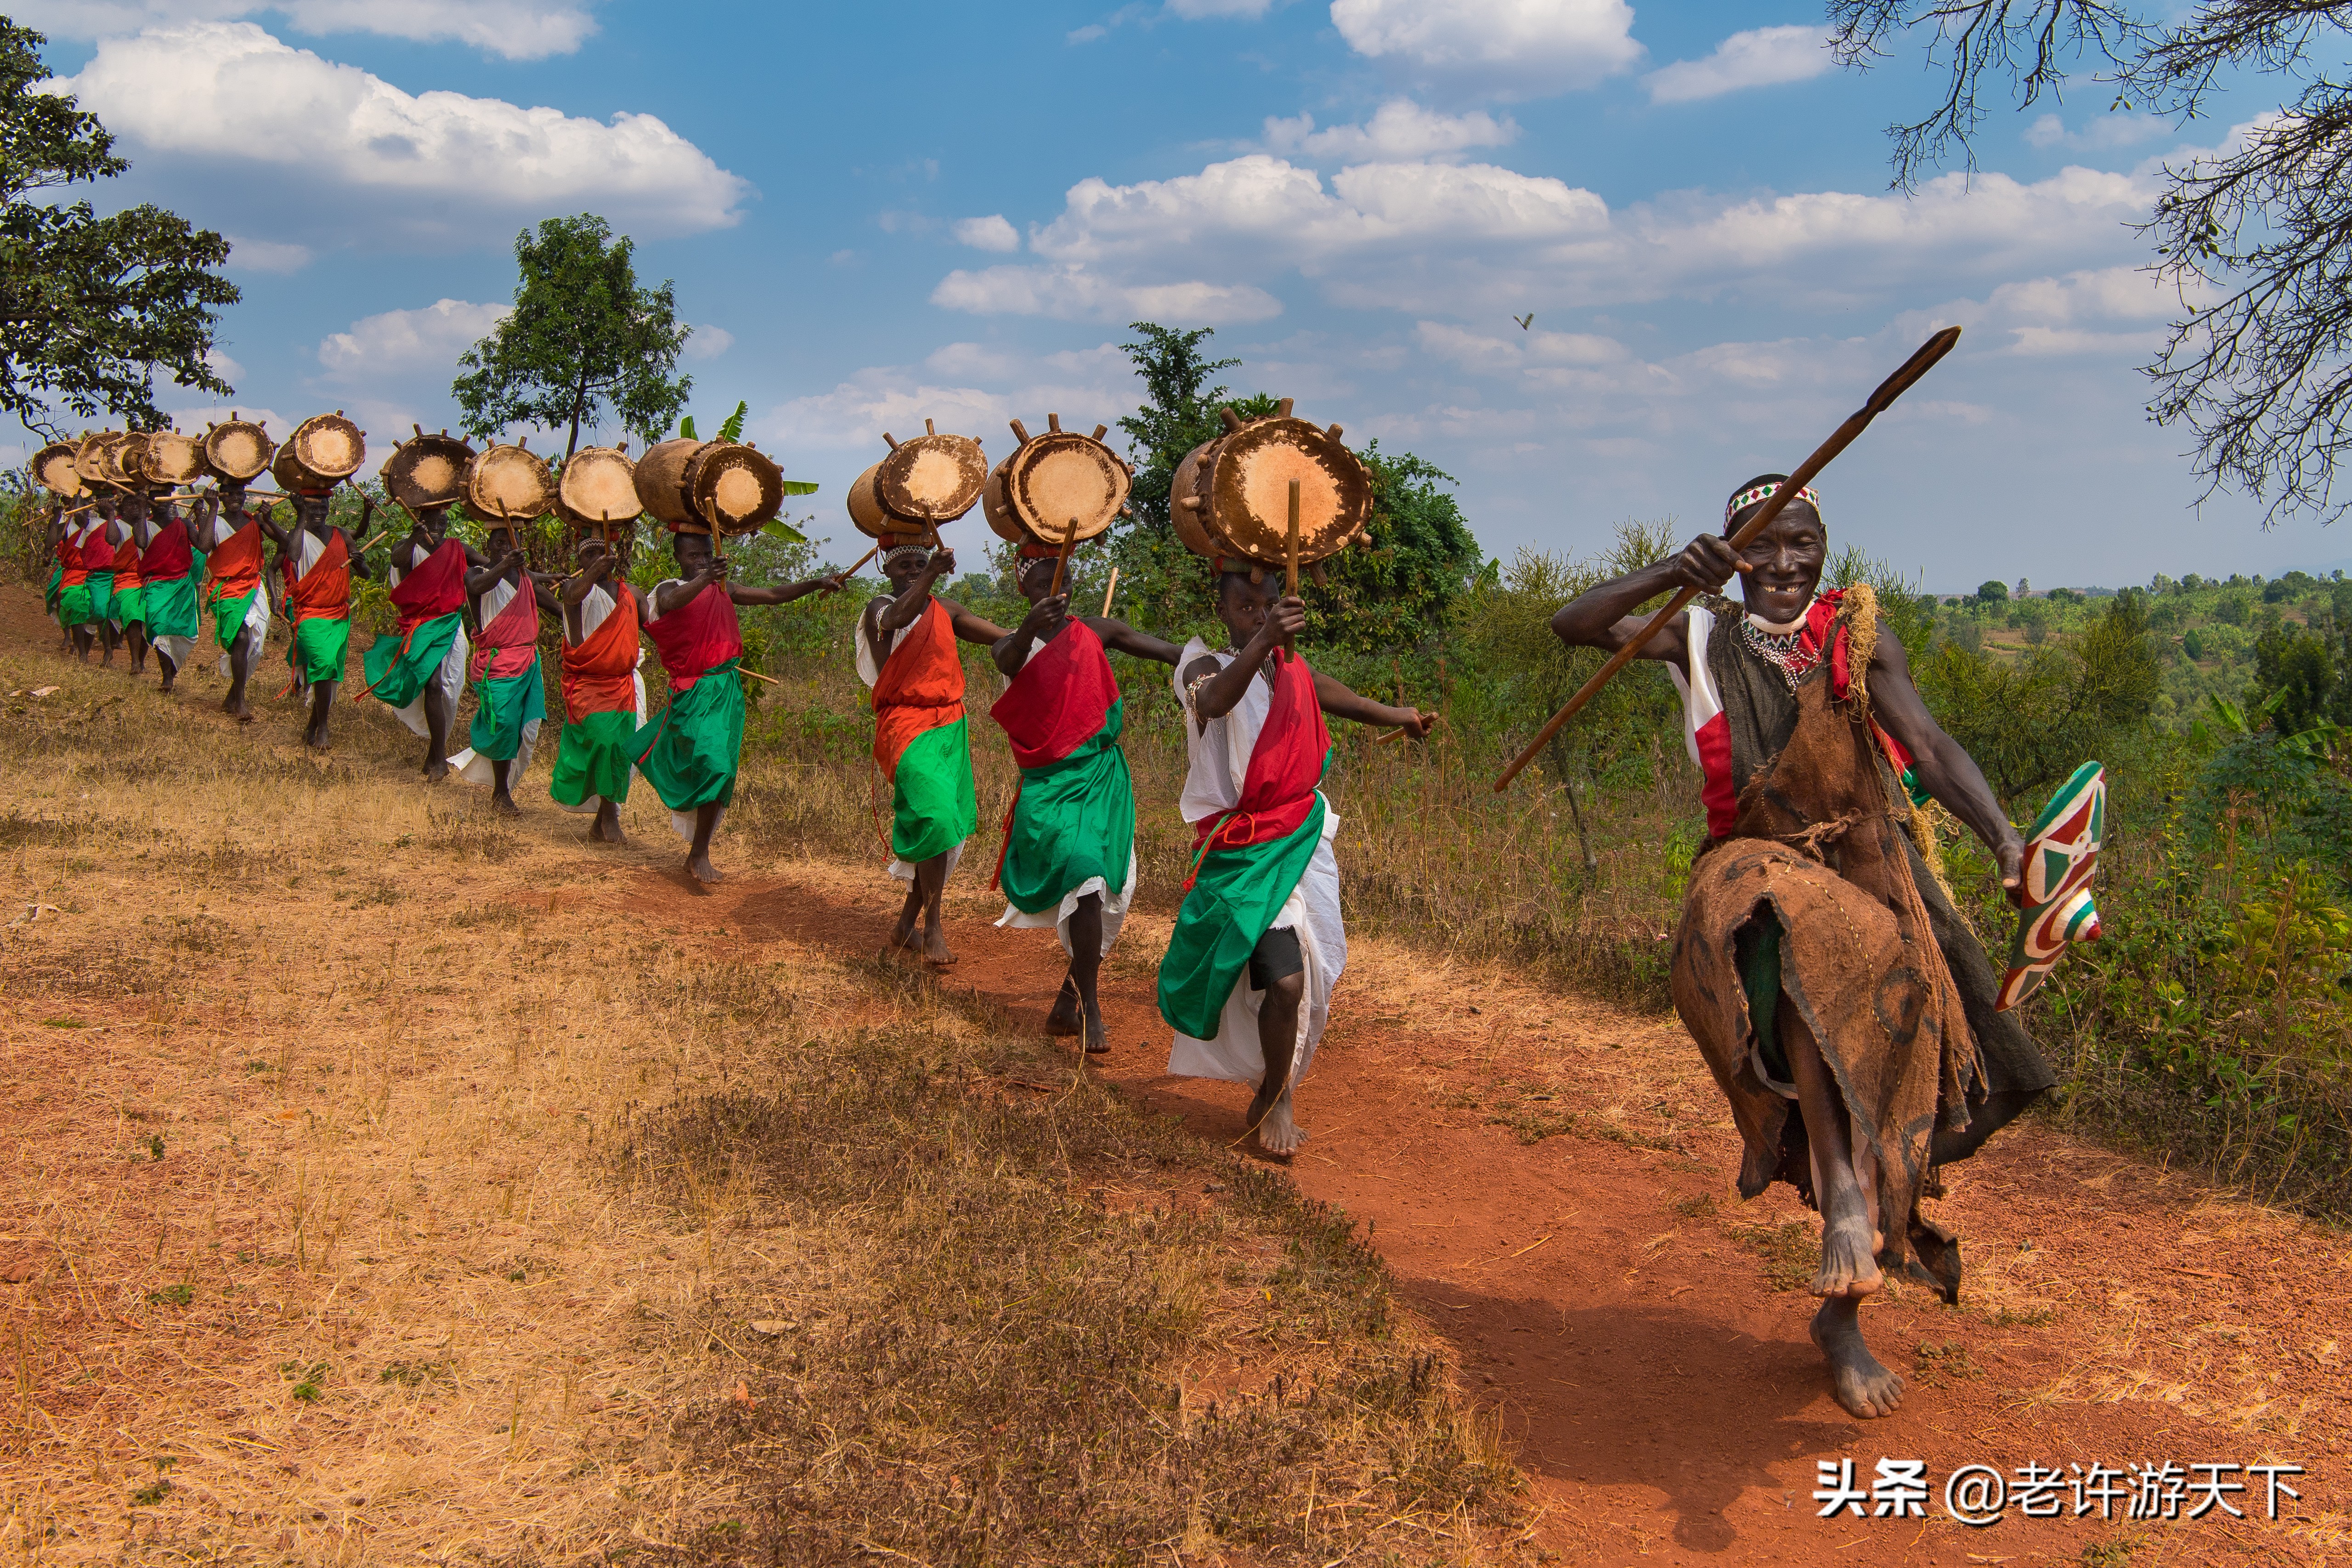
(73, 578)
(1070, 831)
(130, 600)
(234, 593)
(431, 602)
(319, 603)
(922, 742)
(166, 570)
(1248, 858)
(509, 698)
(691, 750)
(604, 705)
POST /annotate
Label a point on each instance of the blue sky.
(880, 214)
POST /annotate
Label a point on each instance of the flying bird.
(1524, 320)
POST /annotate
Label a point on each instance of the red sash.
(509, 643)
(696, 637)
(434, 589)
(168, 554)
(126, 565)
(73, 556)
(1060, 698)
(1285, 767)
(234, 568)
(324, 592)
(97, 550)
(919, 688)
(599, 674)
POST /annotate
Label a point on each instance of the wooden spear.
(1893, 388)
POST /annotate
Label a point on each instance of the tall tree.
(91, 309)
(2262, 368)
(583, 338)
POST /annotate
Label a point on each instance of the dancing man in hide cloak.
(1839, 998)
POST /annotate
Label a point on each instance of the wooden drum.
(660, 480)
(599, 484)
(236, 451)
(733, 488)
(173, 459)
(54, 470)
(426, 471)
(1231, 496)
(509, 484)
(1053, 480)
(324, 450)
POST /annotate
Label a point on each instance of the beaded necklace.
(1784, 651)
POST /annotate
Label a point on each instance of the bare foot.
(1849, 1262)
(503, 804)
(699, 867)
(1098, 1034)
(1865, 1388)
(1062, 1021)
(1277, 1134)
(435, 769)
(935, 947)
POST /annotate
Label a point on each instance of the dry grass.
(384, 1186)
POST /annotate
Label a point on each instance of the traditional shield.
(2062, 852)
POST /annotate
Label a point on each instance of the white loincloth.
(256, 627)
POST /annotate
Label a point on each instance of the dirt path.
(1551, 1181)
(1609, 1294)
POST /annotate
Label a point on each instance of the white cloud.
(266, 256)
(223, 366)
(2101, 134)
(1449, 239)
(1198, 10)
(1762, 57)
(971, 361)
(990, 233)
(393, 343)
(709, 343)
(330, 147)
(1510, 48)
(1400, 129)
(517, 30)
(1072, 293)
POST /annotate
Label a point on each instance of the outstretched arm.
(1120, 637)
(1341, 702)
(971, 627)
(670, 595)
(787, 592)
(1950, 774)
(1602, 616)
(575, 587)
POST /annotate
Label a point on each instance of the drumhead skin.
(329, 446)
(1232, 495)
(54, 470)
(427, 471)
(511, 484)
(1061, 479)
(238, 450)
(932, 479)
(598, 484)
(172, 458)
(734, 487)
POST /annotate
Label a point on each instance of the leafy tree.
(2261, 370)
(95, 307)
(2295, 676)
(2030, 722)
(583, 338)
(1993, 592)
(1909, 613)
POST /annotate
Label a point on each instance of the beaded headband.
(1749, 498)
(919, 551)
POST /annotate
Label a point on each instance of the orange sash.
(324, 592)
(921, 687)
(599, 674)
(235, 569)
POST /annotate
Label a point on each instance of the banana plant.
(730, 429)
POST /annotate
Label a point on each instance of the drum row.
(1243, 496)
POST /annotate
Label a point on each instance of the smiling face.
(1784, 563)
(902, 568)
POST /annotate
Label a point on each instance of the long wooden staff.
(1062, 560)
(852, 569)
(1893, 388)
(1290, 587)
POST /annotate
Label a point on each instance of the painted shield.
(2061, 854)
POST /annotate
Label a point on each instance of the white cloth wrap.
(593, 610)
(449, 679)
(1218, 760)
(256, 628)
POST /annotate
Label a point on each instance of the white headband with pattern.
(1749, 498)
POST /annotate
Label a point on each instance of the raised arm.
(904, 610)
(352, 551)
(1120, 637)
(266, 515)
(787, 592)
(1286, 617)
(478, 580)
(1602, 616)
(671, 595)
(575, 587)
(1043, 622)
(1949, 773)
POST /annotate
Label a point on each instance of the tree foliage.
(2260, 368)
(582, 339)
(1399, 593)
(94, 307)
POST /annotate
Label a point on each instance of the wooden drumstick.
(1109, 591)
(852, 569)
(1062, 561)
